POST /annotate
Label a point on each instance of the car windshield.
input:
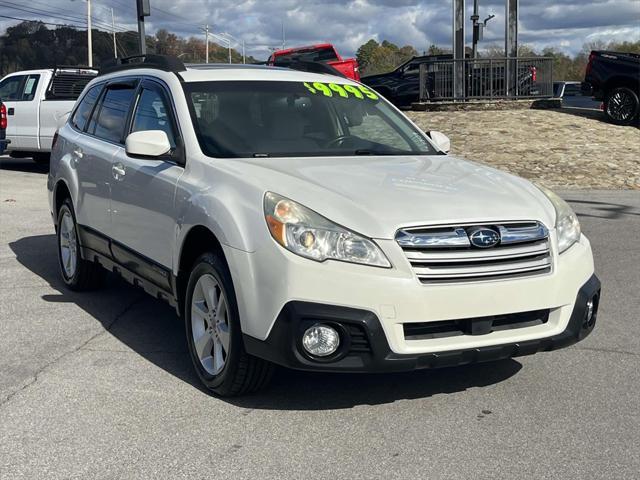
(298, 119)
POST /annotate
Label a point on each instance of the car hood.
(376, 196)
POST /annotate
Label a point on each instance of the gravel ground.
(567, 149)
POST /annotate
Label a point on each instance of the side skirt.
(139, 271)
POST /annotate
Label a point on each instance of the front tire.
(621, 106)
(77, 273)
(213, 332)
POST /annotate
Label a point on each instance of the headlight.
(308, 234)
(567, 224)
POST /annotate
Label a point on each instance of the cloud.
(562, 24)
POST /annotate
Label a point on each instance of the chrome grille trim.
(443, 255)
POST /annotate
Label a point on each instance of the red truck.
(323, 53)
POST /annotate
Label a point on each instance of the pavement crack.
(609, 350)
(36, 376)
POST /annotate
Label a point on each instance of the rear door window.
(111, 120)
(82, 113)
(30, 87)
(11, 88)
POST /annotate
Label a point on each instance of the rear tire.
(214, 336)
(621, 106)
(77, 273)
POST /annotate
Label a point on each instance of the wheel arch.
(198, 240)
(60, 193)
(620, 81)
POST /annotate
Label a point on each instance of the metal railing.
(486, 78)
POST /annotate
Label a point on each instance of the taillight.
(534, 74)
(55, 139)
(3, 117)
(590, 64)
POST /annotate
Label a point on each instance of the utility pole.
(478, 28)
(206, 42)
(283, 42)
(144, 10)
(113, 28)
(89, 45)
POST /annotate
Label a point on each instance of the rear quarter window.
(82, 113)
(112, 118)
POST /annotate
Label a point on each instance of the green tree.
(365, 52)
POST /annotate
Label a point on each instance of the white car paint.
(373, 196)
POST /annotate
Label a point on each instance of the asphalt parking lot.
(100, 385)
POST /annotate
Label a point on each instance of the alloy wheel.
(68, 245)
(621, 106)
(210, 324)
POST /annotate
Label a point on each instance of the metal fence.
(486, 78)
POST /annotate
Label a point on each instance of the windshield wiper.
(365, 151)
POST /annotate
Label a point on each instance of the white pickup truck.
(37, 103)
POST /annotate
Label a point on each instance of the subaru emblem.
(484, 237)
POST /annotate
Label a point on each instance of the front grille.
(474, 326)
(447, 255)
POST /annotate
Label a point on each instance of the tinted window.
(412, 69)
(326, 54)
(111, 120)
(30, 87)
(152, 113)
(11, 88)
(83, 111)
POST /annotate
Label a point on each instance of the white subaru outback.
(299, 219)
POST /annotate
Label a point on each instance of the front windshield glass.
(298, 119)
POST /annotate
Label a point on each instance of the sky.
(563, 24)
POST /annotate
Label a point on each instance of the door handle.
(118, 171)
(78, 153)
(10, 111)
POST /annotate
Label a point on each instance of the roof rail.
(161, 62)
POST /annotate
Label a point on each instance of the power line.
(65, 17)
(39, 21)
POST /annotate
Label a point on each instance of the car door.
(408, 89)
(11, 88)
(100, 118)
(143, 189)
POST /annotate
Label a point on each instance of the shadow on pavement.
(22, 165)
(603, 210)
(157, 335)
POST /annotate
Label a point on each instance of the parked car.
(572, 95)
(3, 127)
(614, 78)
(321, 53)
(299, 219)
(37, 102)
(402, 85)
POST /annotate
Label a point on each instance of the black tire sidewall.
(70, 281)
(634, 96)
(212, 264)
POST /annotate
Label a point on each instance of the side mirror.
(147, 143)
(441, 140)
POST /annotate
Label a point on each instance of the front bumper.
(365, 348)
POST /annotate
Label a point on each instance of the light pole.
(241, 42)
(223, 39)
(89, 44)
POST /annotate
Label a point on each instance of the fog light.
(320, 340)
(589, 317)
